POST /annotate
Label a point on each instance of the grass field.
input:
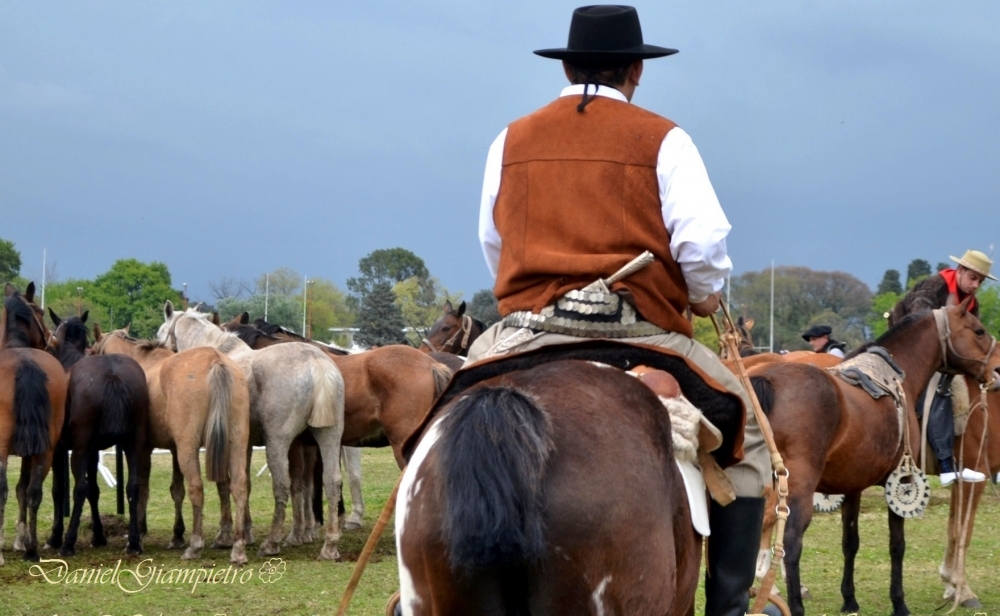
(307, 586)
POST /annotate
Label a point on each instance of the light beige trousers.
(749, 476)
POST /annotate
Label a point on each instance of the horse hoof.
(238, 556)
(329, 553)
(974, 603)
(191, 554)
(2, 561)
(67, 551)
(31, 556)
(176, 543)
(133, 550)
(269, 548)
(19, 545)
(806, 595)
(222, 543)
(293, 540)
(98, 542)
(352, 525)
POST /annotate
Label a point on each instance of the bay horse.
(520, 498)
(32, 406)
(836, 439)
(196, 397)
(979, 452)
(107, 404)
(454, 332)
(387, 392)
(293, 387)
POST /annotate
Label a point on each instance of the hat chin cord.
(586, 84)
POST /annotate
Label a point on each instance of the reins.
(464, 331)
(944, 337)
(729, 340)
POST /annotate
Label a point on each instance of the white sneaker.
(968, 475)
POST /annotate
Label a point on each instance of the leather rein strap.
(464, 331)
(944, 337)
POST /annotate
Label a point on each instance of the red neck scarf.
(951, 279)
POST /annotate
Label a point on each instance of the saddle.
(876, 372)
(724, 410)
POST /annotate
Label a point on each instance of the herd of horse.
(518, 495)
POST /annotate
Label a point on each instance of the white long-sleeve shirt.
(691, 212)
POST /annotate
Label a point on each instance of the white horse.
(293, 388)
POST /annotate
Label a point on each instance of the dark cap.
(817, 331)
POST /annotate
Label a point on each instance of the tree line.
(394, 299)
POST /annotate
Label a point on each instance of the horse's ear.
(55, 317)
(8, 290)
(29, 293)
(748, 324)
(83, 318)
(97, 332)
(461, 310)
(168, 310)
(215, 319)
(446, 309)
(245, 318)
(127, 327)
(964, 306)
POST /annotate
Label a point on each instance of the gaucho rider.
(579, 188)
(947, 287)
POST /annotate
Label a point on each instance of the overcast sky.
(230, 138)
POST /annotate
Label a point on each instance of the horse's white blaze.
(408, 489)
(598, 595)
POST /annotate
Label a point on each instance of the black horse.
(107, 404)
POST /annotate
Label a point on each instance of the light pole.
(305, 308)
(79, 301)
(185, 296)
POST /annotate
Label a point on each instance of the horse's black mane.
(72, 341)
(17, 308)
(147, 344)
(269, 328)
(250, 334)
(902, 329)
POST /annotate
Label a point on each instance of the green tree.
(941, 266)
(420, 304)
(392, 265)
(134, 292)
(917, 270)
(704, 332)
(882, 303)
(890, 283)
(327, 308)
(484, 307)
(282, 281)
(10, 261)
(989, 308)
(380, 321)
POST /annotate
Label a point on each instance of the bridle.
(944, 337)
(464, 331)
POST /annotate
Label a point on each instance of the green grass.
(312, 587)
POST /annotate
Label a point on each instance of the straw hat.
(975, 261)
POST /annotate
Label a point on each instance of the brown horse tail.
(328, 393)
(765, 393)
(32, 410)
(442, 376)
(116, 405)
(494, 446)
(220, 383)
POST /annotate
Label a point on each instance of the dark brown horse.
(32, 404)
(520, 497)
(837, 439)
(453, 333)
(107, 404)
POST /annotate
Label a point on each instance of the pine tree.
(380, 321)
(917, 271)
(890, 283)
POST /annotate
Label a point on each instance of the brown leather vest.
(579, 199)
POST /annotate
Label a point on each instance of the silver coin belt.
(587, 314)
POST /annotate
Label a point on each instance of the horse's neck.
(919, 356)
(69, 356)
(225, 342)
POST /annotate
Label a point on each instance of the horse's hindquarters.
(611, 498)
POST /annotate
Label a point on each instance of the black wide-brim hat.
(817, 331)
(606, 33)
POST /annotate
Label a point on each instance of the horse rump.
(764, 391)
(33, 409)
(493, 507)
(220, 383)
(116, 401)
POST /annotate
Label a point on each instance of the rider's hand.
(706, 307)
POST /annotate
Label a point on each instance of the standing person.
(818, 337)
(946, 288)
(576, 190)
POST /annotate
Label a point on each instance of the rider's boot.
(941, 435)
(732, 555)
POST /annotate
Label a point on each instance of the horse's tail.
(116, 403)
(442, 376)
(32, 410)
(328, 393)
(494, 446)
(220, 383)
(765, 393)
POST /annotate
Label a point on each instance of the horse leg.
(952, 570)
(145, 461)
(247, 520)
(58, 497)
(328, 440)
(3, 503)
(177, 493)
(22, 504)
(134, 545)
(224, 538)
(79, 470)
(93, 495)
(296, 473)
(770, 520)
(239, 488)
(317, 495)
(311, 487)
(897, 549)
(190, 466)
(799, 517)
(40, 466)
(352, 464)
(850, 542)
(277, 463)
